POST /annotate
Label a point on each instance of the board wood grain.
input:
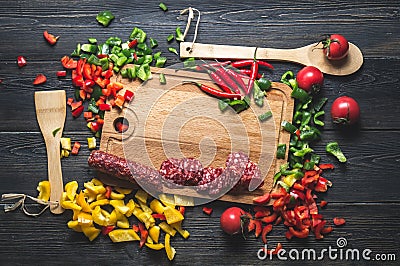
(178, 120)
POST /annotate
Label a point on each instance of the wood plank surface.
(365, 189)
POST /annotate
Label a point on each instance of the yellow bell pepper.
(71, 188)
(90, 232)
(156, 206)
(91, 143)
(89, 195)
(113, 218)
(66, 144)
(181, 200)
(97, 182)
(99, 217)
(85, 219)
(119, 205)
(147, 219)
(75, 214)
(168, 249)
(178, 227)
(167, 228)
(44, 190)
(94, 189)
(155, 246)
(124, 191)
(70, 205)
(122, 221)
(101, 196)
(99, 203)
(74, 225)
(131, 205)
(145, 208)
(123, 235)
(81, 201)
(167, 200)
(116, 196)
(172, 215)
(154, 233)
(141, 196)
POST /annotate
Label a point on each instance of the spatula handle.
(55, 173)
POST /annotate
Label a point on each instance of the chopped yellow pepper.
(85, 219)
(182, 200)
(172, 215)
(74, 225)
(71, 188)
(113, 218)
(97, 182)
(91, 143)
(99, 203)
(155, 246)
(147, 219)
(70, 205)
(99, 217)
(167, 228)
(178, 227)
(116, 196)
(154, 233)
(167, 200)
(145, 208)
(157, 206)
(44, 190)
(81, 201)
(90, 232)
(119, 205)
(169, 250)
(122, 221)
(66, 144)
(141, 196)
(149, 240)
(124, 191)
(131, 205)
(123, 235)
(94, 188)
(75, 214)
(89, 195)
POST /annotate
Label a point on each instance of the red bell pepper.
(207, 210)
(75, 148)
(326, 166)
(108, 192)
(270, 219)
(50, 38)
(107, 229)
(104, 107)
(251, 226)
(299, 234)
(135, 228)
(128, 96)
(323, 203)
(258, 227)
(119, 101)
(318, 228)
(262, 214)
(265, 231)
(75, 105)
(68, 62)
(339, 221)
(78, 81)
(182, 209)
(61, 73)
(21, 61)
(143, 235)
(70, 101)
(261, 200)
(40, 79)
(159, 216)
(78, 111)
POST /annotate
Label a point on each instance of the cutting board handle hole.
(121, 124)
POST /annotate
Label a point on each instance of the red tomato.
(335, 47)
(345, 110)
(232, 220)
(310, 79)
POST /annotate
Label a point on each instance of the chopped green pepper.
(89, 48)
(289, 127)
(179, 35)
(318, 105)
(55, 131)
(156, 55)
(223, 104)
(263, 83)
(281, 151)
(92, 40)
(300, 94)
(162, 79)
(263, 117)
(144, 72)
(316, 120)
(94, 60)
(77, 51)
(114, 41)
(160, 61)
(334, 149)
(173, 50)
(105, 17)
(138, 34)
(189, 63)
(170, 37)
(258, 95)
(163, 7)
(153, 43)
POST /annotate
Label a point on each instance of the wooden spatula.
(50, 113)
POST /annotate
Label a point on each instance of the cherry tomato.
(232, 220)
(335, 47)
(345, 110)
(310, 79)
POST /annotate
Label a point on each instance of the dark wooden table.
(365, 189)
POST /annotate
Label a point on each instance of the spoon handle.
(211, 51)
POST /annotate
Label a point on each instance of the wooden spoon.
(50, 113)
(310, 55)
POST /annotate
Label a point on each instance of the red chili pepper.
(133, 43)
(247, 72)
(228, 79)
(61, 73)
(159, 216)
(207, 210)
(219, 81)
(261, 200)
(78, 111)
(216, 92)
(248, 62)
(264, 63)
(40, 79)
(217, 64)
(323, 203)
(21, 61)
(237, 78)
(339, 221)
(143, 235)
(253, 75)
(108, 192)
(69, 63)
(50, 38)
(299, 234)
(265, 231)
(105, 230)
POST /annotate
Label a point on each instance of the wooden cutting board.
(178, 120)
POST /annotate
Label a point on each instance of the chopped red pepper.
(135, 228)
(107, 229)
(133, 43)
(326, 166)
(258, 227)
(78, 81)
(262, 214)
(75, 105)
(108, 192)
(159, 216)
(318, 228)
(327, 230)
(128, 96)
(182, 209)
(61, 73)
(107, 74)
(251, 226)
(270, 219)
(68, 62)
(21, 61)
(78, 111)
(50, 38)
(261, 200)
(40, 79)
(265, 231)
(207, 210)
(75, 148)
(143, 235)
(70, 101)
(87, 71)
(299, 234)
(119, 101)
(339, 221)
(276, 250)
(323, 203)
(104, 107)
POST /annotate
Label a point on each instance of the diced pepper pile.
(108, 210)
